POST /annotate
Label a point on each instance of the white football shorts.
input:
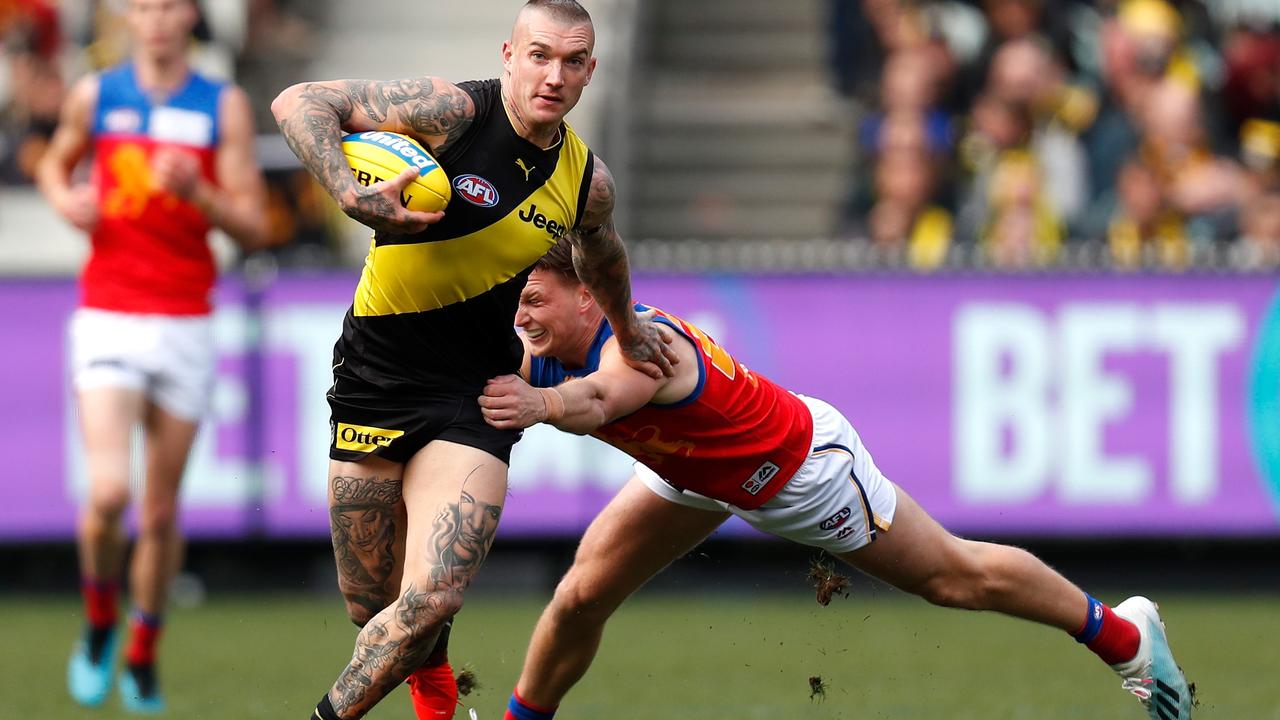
(838, 500)
(169, 357)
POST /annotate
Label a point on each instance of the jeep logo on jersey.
(476, 190)
(760, 478)
(836, 520)
(538, 220)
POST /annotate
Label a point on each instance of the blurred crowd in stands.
(30, 40)
(1014, 133)
(46, 44)
(1024, 130)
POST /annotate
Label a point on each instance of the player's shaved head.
(562, 12)
(567, 12)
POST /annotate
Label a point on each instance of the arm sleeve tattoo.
(313, 122)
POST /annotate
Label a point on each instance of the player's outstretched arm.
(78, 203)
(236, 204)
(312, 117)
(578, 406)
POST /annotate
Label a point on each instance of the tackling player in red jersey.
(173, 156)
(717, 440)
(734, 437)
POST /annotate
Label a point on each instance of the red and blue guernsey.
(150, 250)
(738, 437)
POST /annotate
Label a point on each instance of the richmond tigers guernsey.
(738, 437)
(433, 311)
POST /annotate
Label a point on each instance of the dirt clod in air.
(817, 688)
(466, 682)
(827, 583)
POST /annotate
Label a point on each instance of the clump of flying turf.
(467, 682)
(827, 583)
(817, 688)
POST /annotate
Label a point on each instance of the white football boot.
(1152, 674)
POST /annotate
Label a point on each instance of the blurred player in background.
(417, 478)
(717, 439)
(173, 156)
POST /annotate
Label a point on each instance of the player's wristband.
(554, 403)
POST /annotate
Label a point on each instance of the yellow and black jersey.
(435, 311)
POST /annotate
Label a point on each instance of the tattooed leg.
(367, 522)
(393, 644)
(453, 496)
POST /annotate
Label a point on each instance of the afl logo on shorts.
(476, 190)
(836, 520)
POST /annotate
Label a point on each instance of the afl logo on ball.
(476, 190)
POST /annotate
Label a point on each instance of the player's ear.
(591, 69)
(507, 52)
(585, 301)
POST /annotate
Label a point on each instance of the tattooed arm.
(312, 117)
(600, 258)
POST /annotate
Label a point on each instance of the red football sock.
(433, 691)
(144, 633)
(100, 602)
(1117, 640)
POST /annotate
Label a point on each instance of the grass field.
(706, 656)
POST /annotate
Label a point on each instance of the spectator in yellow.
(1007, 209)
(1144, 224)
(1258, 246)
(904, 224)
(1025, 73)
(1153, 30)
(1022, 229)
(1260, 151)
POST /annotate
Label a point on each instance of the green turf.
(706, 656)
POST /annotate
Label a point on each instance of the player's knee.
(952, 591)
(421, 611)
(158, 518)
(580, 599)
(972, 580)
(108, 500)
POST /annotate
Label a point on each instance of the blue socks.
(518, 709)
(1092, 622)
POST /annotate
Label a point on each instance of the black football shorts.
(365, 420)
